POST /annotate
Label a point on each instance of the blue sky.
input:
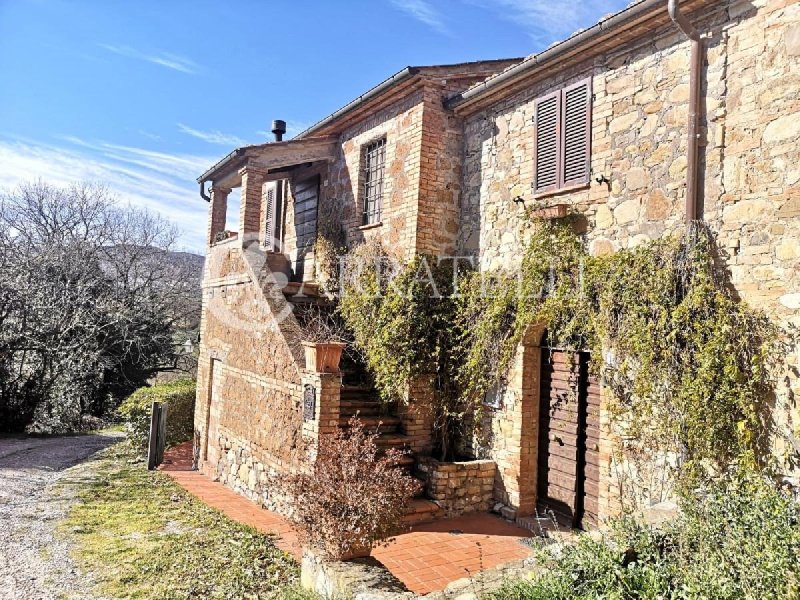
(144, 95)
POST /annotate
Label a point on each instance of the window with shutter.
(577, 127)
(269, 240)
(548, 143)
(563, 138)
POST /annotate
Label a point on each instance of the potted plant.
(323, 340)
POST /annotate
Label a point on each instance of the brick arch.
(518, 476)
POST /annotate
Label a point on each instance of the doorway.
(569, 438)
(211, 452)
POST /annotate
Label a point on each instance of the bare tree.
(91, 300)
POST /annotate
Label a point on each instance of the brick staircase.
(358, 397)
(362, 401)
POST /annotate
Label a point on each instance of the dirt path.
(34, 562)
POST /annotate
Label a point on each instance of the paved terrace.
(426, 558)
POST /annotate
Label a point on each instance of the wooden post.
(152, 448)
(158, 435)
(162, 433)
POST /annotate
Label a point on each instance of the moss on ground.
(139, 535)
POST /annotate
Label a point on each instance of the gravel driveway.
(35, 563)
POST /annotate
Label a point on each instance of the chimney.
(278, 128)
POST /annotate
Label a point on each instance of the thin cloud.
(157, 181)
(424, 12)
(549, 20)
(148, 135)
(212, 137)
(162, 59)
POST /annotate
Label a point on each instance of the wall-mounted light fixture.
(602, 179)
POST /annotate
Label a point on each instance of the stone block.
(627, 212)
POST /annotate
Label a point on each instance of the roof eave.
(376, 91)
(585, 38)
(222, 164)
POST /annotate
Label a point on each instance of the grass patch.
(139, 535)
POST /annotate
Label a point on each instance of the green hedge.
(179, 396)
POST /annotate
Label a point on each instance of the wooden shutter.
(270, 210)
(306, 193)
(576, 131)
(547, 142)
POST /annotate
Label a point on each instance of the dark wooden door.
(569, 436)
(306, 196)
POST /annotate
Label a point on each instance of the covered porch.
(279, 185)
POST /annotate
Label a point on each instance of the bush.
(350, 497)
(737, 539)
(136, 409)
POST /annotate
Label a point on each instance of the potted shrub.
(323, 340)
(349, 497)
(323, 357)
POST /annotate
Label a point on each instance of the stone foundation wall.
(458, 487)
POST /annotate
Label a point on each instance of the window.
(563, 138)
(272, 216)
(374, 163)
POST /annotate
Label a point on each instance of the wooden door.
(306, 196)
(568, 465)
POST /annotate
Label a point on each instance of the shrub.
(738, 538)
(350, 497)
(179, 395)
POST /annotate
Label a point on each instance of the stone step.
(359, 392)
(420, 510)
(349, 408)
(380, 423)
(392, 440)
(303, 292)
(407, 462)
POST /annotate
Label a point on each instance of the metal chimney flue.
(278, 128)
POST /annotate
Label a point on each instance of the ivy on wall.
(689, 365)
(403, 320)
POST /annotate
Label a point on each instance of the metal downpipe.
(693, 133)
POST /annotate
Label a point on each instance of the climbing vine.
(687, 363)
(403, 319)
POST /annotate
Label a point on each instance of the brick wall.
(750, 154)
(401, 125)
(256, 388)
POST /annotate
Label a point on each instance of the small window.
(374, 164)
(563, 138)
(272, 216)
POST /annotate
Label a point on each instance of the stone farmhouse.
(662, 113)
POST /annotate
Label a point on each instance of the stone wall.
(458, 487)
(750, 153)
(509, 430)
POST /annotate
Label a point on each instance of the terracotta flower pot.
(323, 357)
